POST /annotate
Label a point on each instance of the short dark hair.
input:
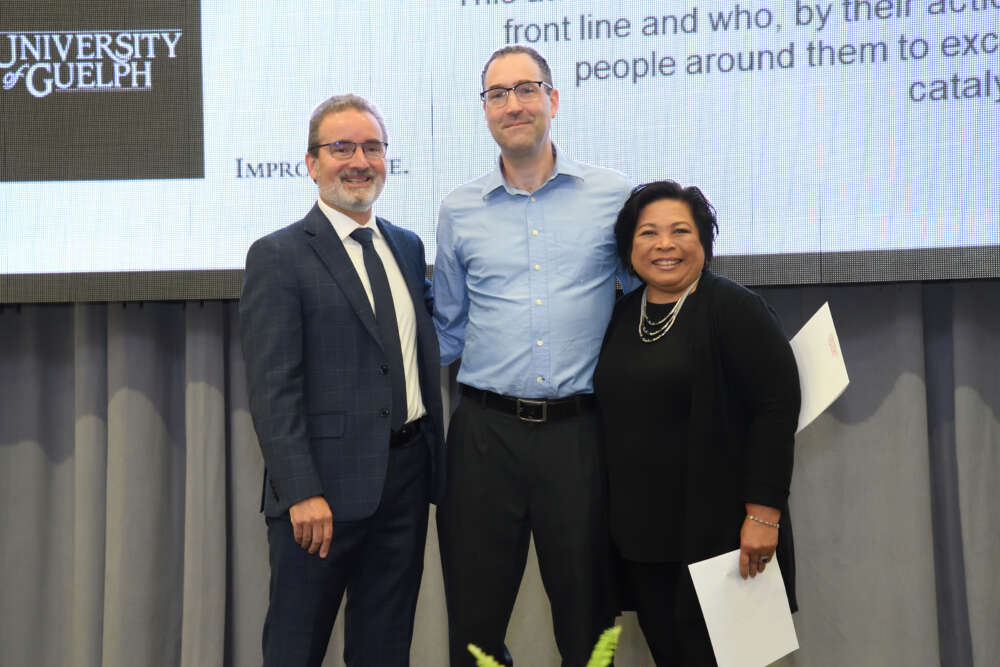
(643, 195)
(339, 103)
(518, 48)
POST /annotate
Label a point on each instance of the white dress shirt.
(401, 301)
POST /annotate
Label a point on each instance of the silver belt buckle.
(527, 401)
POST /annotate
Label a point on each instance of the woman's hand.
(757, 539)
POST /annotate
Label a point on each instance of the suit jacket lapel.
(427, 346)
(325, 242)
(416, 289)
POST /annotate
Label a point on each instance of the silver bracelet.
(766, 523)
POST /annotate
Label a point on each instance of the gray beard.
(358, 204)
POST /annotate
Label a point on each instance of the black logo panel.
(100, 90)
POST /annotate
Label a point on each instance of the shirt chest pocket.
(583, 249)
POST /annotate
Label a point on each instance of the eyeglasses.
(344, 150)
(526, 91)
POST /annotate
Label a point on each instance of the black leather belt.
(536, 410)
(406, 435)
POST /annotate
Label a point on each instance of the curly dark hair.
(642, 195)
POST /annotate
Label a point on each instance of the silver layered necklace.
(651, 331)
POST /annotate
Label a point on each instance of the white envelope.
(822, 373)
(749, 620)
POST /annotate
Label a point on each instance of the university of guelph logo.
(95, 90)
(84, 61)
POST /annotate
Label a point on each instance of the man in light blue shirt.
(524, 285)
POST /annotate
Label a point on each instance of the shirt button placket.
(538, 287)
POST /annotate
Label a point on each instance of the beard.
(359, 200)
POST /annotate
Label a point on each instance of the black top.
(738, 444)
(645, 394)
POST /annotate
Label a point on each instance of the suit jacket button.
(383, 369)
(384, 412)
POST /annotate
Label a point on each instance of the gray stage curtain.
(130, 481)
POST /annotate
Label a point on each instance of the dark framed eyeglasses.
(344, 150)
(526, 91)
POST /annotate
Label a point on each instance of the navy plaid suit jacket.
(313, 359)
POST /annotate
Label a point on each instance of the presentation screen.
(145, 146)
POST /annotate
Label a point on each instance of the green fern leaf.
(604, 652)
(483, 659)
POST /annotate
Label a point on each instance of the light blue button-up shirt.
(524, 283)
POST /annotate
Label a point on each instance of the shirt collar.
(563, 165)
(344, 225)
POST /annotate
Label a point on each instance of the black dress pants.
(378, 561)
(676, 636)
(508, 480)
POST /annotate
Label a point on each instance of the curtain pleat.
(145, 485)
(90, 470)
(247, 568)
(205, 503)
(976, 315)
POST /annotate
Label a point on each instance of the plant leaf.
(604, 652)
(483, 659)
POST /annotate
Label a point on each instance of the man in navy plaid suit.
(343, 377)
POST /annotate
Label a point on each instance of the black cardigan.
(744, 412)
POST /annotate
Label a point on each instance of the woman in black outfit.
(699, 396)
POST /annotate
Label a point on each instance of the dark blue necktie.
(385, 317)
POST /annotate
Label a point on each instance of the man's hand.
(757, 539)
(312, 524)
